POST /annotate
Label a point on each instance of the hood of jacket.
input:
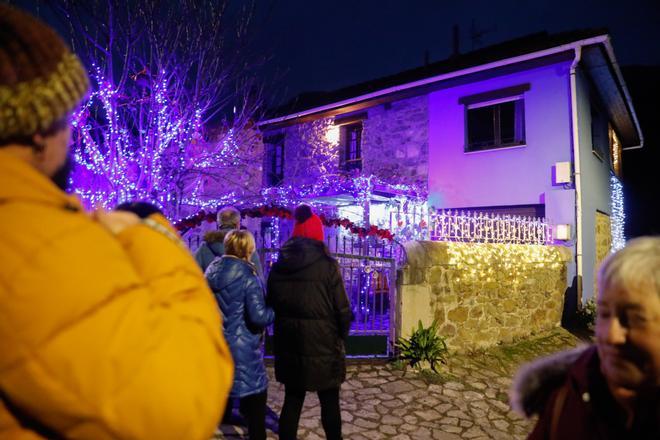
(299, 253)
(215, 240)
(534, 382)
(217, 236)
(229, 269)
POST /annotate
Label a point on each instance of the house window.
(352, 146)
(600, 141)
(495, 124)
(615, 151)
(274, 161)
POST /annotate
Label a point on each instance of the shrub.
(586, 315)
(425, 345)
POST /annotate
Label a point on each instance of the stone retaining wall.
(482, 294)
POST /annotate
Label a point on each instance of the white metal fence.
(488, 228)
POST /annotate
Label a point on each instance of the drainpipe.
(577, 173)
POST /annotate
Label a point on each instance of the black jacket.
(312, 316)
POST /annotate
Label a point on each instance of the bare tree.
(163, 73)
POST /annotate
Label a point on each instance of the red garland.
(280, 212)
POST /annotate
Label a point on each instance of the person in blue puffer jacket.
(240, 295)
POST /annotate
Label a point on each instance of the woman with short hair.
(611, 389)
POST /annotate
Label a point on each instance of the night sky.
(327, 45)
(315, 45)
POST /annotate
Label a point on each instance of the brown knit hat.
(41, 81)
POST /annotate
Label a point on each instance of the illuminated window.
(352, 146)
(615, 151)
(274, 161)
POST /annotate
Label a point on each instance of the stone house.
(534, 127)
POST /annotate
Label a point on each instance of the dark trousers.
(330, 413)
(253, 409)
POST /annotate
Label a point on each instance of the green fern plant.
(423, 345)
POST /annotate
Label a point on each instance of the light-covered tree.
(162, 74)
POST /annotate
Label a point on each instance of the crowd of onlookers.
(308, 305)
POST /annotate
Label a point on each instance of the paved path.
(379, 401)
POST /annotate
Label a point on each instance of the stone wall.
(394, 144)
(240, 174)
(396, 141)
(311, 149)
(481, 294)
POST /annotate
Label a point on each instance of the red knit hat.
(310, 228)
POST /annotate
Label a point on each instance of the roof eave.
(599, 39)
(619, 77)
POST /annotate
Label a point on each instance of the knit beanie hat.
(41, 81)
(308, 224)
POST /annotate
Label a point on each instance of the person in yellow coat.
(107, 327)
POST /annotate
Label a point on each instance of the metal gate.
(370, 285)
(368, 267)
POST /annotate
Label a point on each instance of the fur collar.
(534, 382)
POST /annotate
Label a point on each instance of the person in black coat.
(312, 320)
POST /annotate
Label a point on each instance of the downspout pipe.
(575, 138)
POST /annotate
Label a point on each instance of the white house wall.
(515, 176)
(595, 187)
(501, 177)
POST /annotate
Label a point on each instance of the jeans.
(330, 413)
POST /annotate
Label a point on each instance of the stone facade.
(241, 172)
(481, 294)
(396, 141)
(311, 149)
(394, 144)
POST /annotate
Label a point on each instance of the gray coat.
(213, 248)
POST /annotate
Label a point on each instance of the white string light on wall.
(618, 218)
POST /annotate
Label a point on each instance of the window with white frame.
(495, 119)
(496, 124)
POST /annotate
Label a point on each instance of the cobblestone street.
(380, 401)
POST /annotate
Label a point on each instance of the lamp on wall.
(332, 134)
(562, 232)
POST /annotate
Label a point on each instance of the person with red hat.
(312, 319)
(307, 224)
